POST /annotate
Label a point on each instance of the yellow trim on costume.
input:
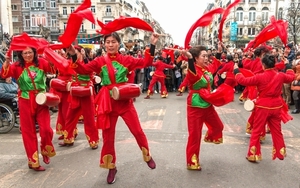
(74, 65)
(107, 162)
(195, 165)
(146, 154)
(269, 108)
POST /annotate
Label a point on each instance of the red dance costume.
(160, 77)
(113, 70)
(63, 106)
(81, 105)
(200, 112)
(183, 85)
(268, 110)
(30, 111)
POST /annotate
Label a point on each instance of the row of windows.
(38, 3)
(252, 14)
(65, 10)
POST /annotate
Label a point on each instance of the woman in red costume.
(30, 72)
(255, 67)
(268, 107)
(199, 111)
(159, 76)
(81, 105)
(64, 95)
(113, 69)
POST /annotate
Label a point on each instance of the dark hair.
(114, 35)
(22, 61)
(262, 49)
(196, 50)
(268, 60)
(297, 54)
(229, 57)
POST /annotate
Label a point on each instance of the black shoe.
(296, 111)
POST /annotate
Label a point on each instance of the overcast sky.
(176, 17)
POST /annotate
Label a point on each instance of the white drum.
(249, 105)
(97, 79)
(223, 75)
(48, 99)
(151, 73)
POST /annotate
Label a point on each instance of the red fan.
(203, 21)
(224, 17)
(123, 22)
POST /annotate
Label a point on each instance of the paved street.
(164, 122)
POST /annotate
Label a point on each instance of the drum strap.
(110, 69)
(33, 103)
(32, 80)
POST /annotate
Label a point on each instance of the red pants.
(127, 111)
(183, 85)
(196, 118)
(161, 80)
(81, 106)
(249, 127)
(63, 107)
(28, 119)
(261, 118)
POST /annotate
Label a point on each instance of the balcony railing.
(82, 31)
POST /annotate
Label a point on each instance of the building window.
(280, 13)
(53, 21)
(252, 14)
(251, 31)
(240, 31)
(82, 28)
(14, 7)
(93, 9)
(72, 9)
(65, 12)
(93, 26)
(53, 3)
(39, 3)
(265, 14)
(16, 30)
(108, 11)
(27, 21)
(15, 19)
(65, 25)
(239, 14)
(38, 19)
(33, 21)
(26, 3)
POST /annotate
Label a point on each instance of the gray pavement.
(164, 122)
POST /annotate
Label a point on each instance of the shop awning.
(88, 38)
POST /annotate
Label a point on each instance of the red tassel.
(203, 21)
